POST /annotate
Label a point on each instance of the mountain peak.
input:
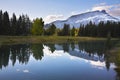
(104, 11)
(85, 18)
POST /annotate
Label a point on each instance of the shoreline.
(47, 39)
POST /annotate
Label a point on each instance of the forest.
(23, 26)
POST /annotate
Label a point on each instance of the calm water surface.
(63, 61)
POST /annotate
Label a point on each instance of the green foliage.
(37, 50)
(38, 27)
(76, 32)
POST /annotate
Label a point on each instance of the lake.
(58, 61)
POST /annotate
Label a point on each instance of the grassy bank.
(41, 39)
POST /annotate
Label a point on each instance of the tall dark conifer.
(13, 25)
(66, 30)
(6, 23)
(73, 31)
(1, 18)
(19, 26)
(51, 30)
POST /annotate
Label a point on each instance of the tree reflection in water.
(18, 52)
(22, 52)
(37, 50)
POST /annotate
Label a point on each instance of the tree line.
(103, 29)
(23, 26)
(14, 26)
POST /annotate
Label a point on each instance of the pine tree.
(51, 30)
(28, 25)
(81, 31)
(66, 30)
(23, 26)
(13, 25)
(1, 20)
(6, 23)
(73, 31)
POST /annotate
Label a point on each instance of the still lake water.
(62, 61)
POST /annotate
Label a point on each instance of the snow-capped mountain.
(85, 18)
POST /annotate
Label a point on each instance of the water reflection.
(94, 53)
(14, 52)
(37, 50)
(88, 50)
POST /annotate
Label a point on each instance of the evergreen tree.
(1, 20)
(13, 25)
(100, 31)
(51, 30)
(94, 30)
(19, 26)
(81, 31)
(6, 23)
(23, 26)
(59, 32)
(73, 31)
(28, 25)
(66, 30)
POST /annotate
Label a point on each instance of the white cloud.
(113, 10)
(26, 71)
(97, 63)
(51, 18)
(103, 7)
(17, 70)
(56, 53)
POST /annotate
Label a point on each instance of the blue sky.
(58, 9)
